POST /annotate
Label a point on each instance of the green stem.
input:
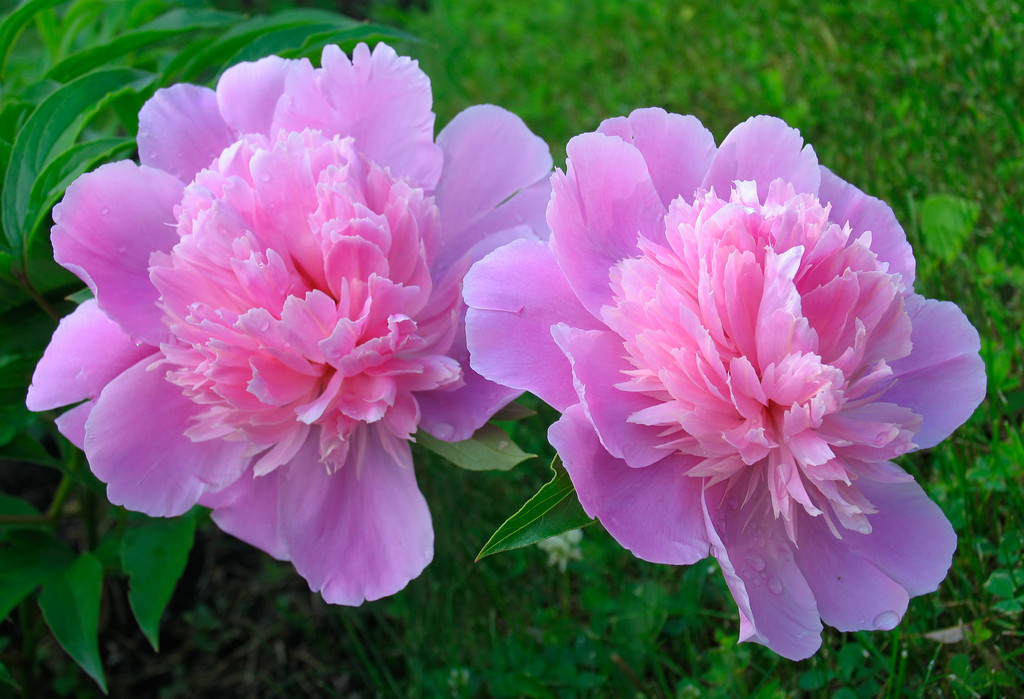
(59, 498)
(30, 289)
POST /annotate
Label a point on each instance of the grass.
(906, 100)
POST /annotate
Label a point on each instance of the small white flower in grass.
(563, 548)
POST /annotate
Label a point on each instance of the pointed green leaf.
(154, 554)
(171, 24)
(70, 603)
(555, 509)
(12, 25)
(489, 449)
(51, 129)
(28, 559)
(6, 677)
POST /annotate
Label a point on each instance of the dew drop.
(886, 621)
(774, 586)
(443, 431)
(756, 561)
(104, 211)
(265, 177)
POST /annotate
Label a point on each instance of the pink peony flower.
(733, 339)
(277, 306)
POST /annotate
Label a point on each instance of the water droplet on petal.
(443, 431)
(774, 586)
(756, 561)
(886, 621)
(265, 177)
(104, 211)
(733, 503)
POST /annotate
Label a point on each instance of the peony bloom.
(738, 353)
(277, 306)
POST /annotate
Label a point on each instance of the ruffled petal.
(247, 509)
(598, 364)
(489, 155)
(943, 378)
(247, 93)
(108, 224)
(852, 594)
(867, 213)
(677, 149)
(515, 295)
(362, 532)
(135, 444)
(654, 512)
(911, 540)
(598, 210)
(87, 351)
(776, 605)
(762, 149)
(181, 131)
(382, 99)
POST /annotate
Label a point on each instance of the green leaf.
(176, 22)
(489, 449)
(70, 603)
(28, 559)
(24, 448)
(51, 129)
(6, 677)
(555, 509)
(154, 555)
(1000, 584)
(12, 25)
(946, 223)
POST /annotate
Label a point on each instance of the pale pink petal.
(943, 379)
(599, 208)
(472, 184)
(454, 415)
(105, 229)
(911, 540)
(762, 149)
(87, 351)
(135, 444)
(678, 149)
(654, 512)
(867, 213)
(777, 607)
(247, 93)
(181, 130)
(71, 423)
(362, 532)
(598, 364)
(515, 295)
(247, 509)
(851, 592)
(381, 99)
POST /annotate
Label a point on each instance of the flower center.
(299, 298)
(763, 332)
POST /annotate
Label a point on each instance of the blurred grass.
(906, 100)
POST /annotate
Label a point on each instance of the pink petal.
(762, 149)
(135, 444)
(777, 607)
(851, 592)
(87, 351)
(247, 93)
(515, 295)
(454, 415)
(181, 130)
(652, 511)
(866, 213)
(247, 510)
(598, 210)
(362, 532)
(598, 364)
(678, 149)
(489, 155)
(105, 229)
(943, 378)
(71, 423)
(911, 541)
(381, 99)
